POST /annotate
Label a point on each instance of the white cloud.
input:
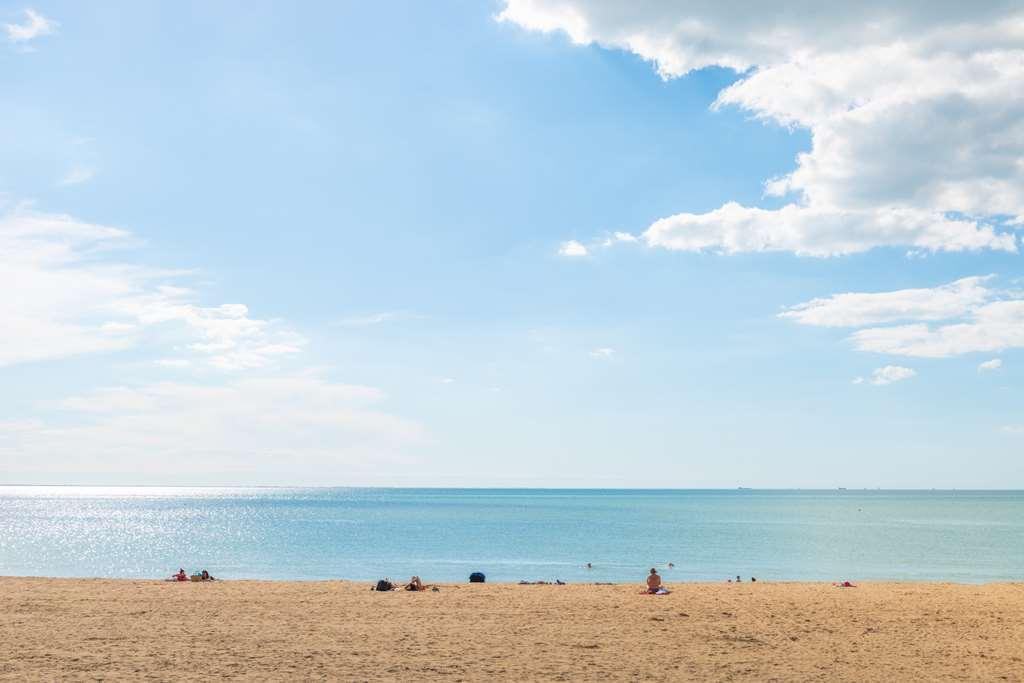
(994, 327)
(603, 353)
(974, 319)
(575, 248)
(890, 374)
(817, 231)
(916, 114)
(35, 25)
(368, 320)
(619, 238)
(990, 365)
(225, 334)
(72, 291)
(856, 309)
(173, 362)
(292, 423)
(679, 38)
(447, 380)
(74, 299)
(1013, 429)
(78, 175)
(858, 380)
(572, 248)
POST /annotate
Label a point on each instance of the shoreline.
(667, 580)
(73, 629)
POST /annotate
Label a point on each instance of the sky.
(579, 243)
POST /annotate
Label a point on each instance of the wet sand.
(122, 629)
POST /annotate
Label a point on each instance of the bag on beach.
(385, 585)
(477, 577)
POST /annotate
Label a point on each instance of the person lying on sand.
(415, 584)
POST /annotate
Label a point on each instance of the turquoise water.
(443, 535)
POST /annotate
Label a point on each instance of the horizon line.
(510, 488)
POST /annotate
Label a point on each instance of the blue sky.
(376, 245)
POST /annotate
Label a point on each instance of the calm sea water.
(443, 535)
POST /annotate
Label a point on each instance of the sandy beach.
(123, 629)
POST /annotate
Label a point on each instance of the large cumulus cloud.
(916, 114)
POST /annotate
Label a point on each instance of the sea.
(512, 534)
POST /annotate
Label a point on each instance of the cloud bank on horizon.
(216, 416)
(915, 110)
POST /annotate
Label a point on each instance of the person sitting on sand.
(181, 576)
(207, 576)
(415, 584)
(653, 581)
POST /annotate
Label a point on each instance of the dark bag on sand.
(385, 585)
(476, 577)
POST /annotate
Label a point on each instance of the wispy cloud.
(602, 353)
(619, 238)
(78, 175)
(75, 302)
(572, 248)
(372, 319)
(283, 421)
(887, 375)
(576, 248)
(990, 365)
(35, 25)
(854, 309)
(172, 362)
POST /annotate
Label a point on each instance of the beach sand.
(122, 629)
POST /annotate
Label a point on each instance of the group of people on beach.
(198, 576)
(415, 585)
(654, 585)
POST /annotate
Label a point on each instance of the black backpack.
(385, 585)
(477, 577)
